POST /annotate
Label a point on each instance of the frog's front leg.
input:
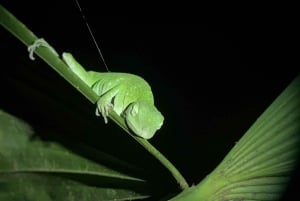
(105, 102)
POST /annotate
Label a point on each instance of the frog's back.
(134, 86)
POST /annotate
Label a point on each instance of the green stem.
(20, 31)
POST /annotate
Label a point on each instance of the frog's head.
(143, 119)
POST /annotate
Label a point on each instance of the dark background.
(211, 78)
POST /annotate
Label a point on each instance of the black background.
(211, 78)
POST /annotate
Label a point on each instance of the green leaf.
(44, 187)
(261, 163)
(31, 168)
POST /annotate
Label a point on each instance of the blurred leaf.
(42, 187)
(31, 168)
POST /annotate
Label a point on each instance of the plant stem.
(20, 31)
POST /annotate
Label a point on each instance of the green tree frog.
(129, 95)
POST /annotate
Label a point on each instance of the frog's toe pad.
(103, 109)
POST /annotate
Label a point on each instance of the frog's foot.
(38, 43)
(103, 109)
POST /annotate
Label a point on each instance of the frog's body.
(122, 88)
(129, 95)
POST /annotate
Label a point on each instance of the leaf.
(43, 187)
(33, 169)
(261, 164)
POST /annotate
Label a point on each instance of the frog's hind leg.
(38, 43)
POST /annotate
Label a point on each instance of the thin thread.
(92, 35)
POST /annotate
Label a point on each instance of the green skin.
(128, 95)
